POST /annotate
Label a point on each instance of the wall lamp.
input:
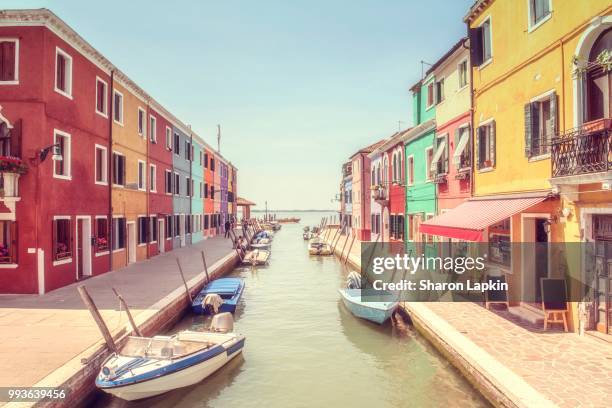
(44, 152)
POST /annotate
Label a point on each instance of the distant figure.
(227, 228)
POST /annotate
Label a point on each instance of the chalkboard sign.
(496, 296)
(554, 294)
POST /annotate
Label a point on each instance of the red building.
(209, 185)
(394, 149)
(49, 106)
(160, 183)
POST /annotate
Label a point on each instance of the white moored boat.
(319, 247)
(148, 366)
(256, 257)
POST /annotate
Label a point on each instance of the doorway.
(131, 240)
(83, 247)
(385, 226)
(535, 260)
(161, 236)
(602, 232)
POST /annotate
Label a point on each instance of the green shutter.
(477, 146)
(528, 129)
(553, 116)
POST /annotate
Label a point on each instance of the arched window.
(599, 81)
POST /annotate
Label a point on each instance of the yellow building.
(128, 176)
(526, 94)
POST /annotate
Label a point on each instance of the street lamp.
(56, 156)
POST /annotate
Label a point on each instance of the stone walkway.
(38, 334)
(568, 369)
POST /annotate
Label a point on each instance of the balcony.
(582, 151)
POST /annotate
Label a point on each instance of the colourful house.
(418, 153)
(361, 184)
(209, 182)
(197, 189)
(346, 197)
(223, 188)
(87, 167)
(378, 195)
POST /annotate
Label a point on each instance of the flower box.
(12, 165)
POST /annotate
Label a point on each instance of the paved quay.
(513, 362)
(42, 334)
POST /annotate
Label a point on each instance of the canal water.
(304, 349)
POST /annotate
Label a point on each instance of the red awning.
(468, 220)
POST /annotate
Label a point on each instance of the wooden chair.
(554, 301)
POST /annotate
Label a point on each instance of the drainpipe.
(472, 128)
(109, 172)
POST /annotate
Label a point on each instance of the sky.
(297, 87)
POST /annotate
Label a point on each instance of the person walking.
(227, 228)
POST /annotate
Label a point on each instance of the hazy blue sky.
(296, 86)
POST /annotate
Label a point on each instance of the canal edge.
(79, 378)
(499, 385)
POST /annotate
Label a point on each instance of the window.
(168, 138)
(61, 167)
(439, 164)
(539, 10)
(410, 170)
(177, 144)
(431, 94)
(177, 225)
(101, 162)
(8, 242)
(141, 122)
(153, 178)
(101, 234)
(500, 249)
(142, 176)
(153, 229)
(201, 190)
(177, 183)
(598, 104)
(212, 164)
(118, 233)
(188, 224)
(462, 153)
(206, 223)
(485, 146)
(153, 129)
(462, 69)
(212, 192)
(428, 160)
(481, 50)
(168, 182)
(101, 97)
(205, 190)
(410, 228)
(187, 150)
(118, 107)
(9, 61)
(188, 186)
(168, 227)
(540, 125)
(440, 91)
(63, 73)
(62, 248)
(201, 157)
(205, 160)
(143, 230)
(118, 169)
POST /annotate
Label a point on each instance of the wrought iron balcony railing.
(583, 150)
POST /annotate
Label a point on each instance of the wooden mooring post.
(349, 250)
(338, 240)
(184, 281)
(97, 318)
(334, 237)
(343, 246)
(205, 266)
(129, 314)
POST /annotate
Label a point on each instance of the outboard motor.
(353, 281)
(222, 323)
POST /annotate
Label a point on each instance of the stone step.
(526, 314)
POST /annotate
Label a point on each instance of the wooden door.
(602, 227)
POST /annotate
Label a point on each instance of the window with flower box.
(62, 239)
(101, 237)
(8, 242)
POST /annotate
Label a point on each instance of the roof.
(414, 87)
(370, 148)
(448, 53)
(475, 10)
(244, 202)
(417, 131)
(391, 141)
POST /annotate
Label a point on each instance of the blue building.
(183, 187)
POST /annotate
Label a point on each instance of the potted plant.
(11, 168)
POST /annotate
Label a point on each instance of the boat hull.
(178, 379)
(228, 305)
(377, 312)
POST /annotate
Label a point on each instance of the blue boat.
(377, 312)
(229, 289)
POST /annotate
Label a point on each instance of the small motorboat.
(256, 257)
(228, 289)
(307, 235)
(356, 300)
(319, 247)
(289, 220)
(148, 366)
(377, 312)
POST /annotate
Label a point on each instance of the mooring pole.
(97, 318)
(129, 314)
(338, 240)
(184, 281)
(343, 246)
(334, 237)
(372, 253)
(349, 250)
(205, 266)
